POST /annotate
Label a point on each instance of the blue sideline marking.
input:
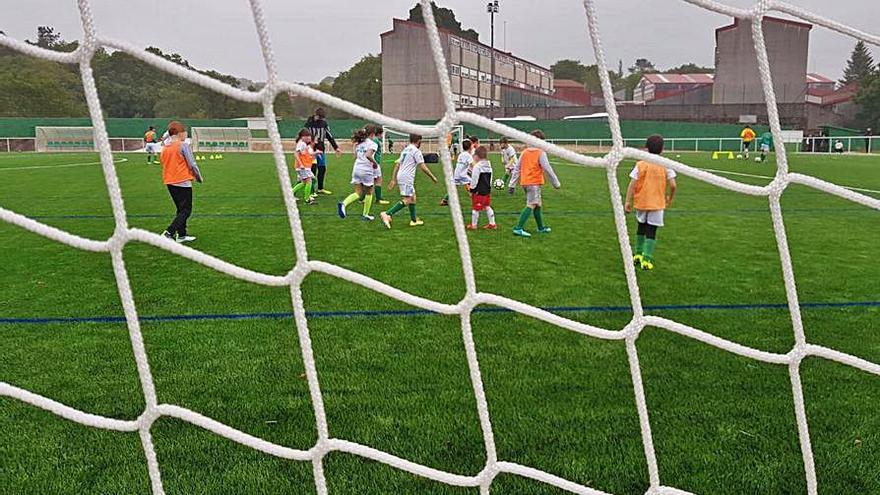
(422, 312)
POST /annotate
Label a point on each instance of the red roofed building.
(659, 86)
(573, 91)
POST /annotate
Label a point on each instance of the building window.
(454, 41)
(455, 70)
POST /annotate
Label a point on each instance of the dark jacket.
(320, 130)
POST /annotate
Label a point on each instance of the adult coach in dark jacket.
(320, 129)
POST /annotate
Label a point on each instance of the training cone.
(211, 157)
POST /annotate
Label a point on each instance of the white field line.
(743, 174)
(65, 165)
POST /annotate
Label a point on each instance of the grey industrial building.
(411, 86)
(737, 79)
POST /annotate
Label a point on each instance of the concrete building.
(737, 79)
(411, 86)
(659, 86)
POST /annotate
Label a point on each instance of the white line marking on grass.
(65, 165)
(742, 174)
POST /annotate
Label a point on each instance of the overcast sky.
(313, 42)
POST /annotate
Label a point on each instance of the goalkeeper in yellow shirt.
(747, 135)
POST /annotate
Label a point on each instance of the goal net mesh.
(628, 335)
(395, 140)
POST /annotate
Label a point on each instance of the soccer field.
(395, 378)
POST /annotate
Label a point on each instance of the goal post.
(394, 140)
(209, 139)
(64, 139)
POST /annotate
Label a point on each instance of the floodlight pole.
(492, 9)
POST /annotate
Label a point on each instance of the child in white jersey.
(405, 175)
(462, 174)
(508, 158)
(362, 175)
(481, 190)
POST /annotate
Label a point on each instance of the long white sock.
(491, 214)
(475, 217)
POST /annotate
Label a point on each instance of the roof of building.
(443, 30)
(567, 83)
(680, 78)
(817, 78)
(842, 94)
(768, 18)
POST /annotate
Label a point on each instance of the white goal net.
(394, 140)
(628, 335)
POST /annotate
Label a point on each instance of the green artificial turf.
(399, 382)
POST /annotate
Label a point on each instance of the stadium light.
(492, 9)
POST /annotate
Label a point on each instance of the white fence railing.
(850, 144)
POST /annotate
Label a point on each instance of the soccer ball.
(758, 159)
(739, 157)
(499, 184)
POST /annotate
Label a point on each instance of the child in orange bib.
(651, 190)
(179, 170)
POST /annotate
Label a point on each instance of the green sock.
(412, 211)
(394, 209)
(378, 192)
(446, 198)
(505, 179)
(308, 192)
(368, 203)
(539, 217)
(351, 198)
(298, 187)
(640, 244)
(523, 217)
(649, 248)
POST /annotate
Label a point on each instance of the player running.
(362, 175)
(747, 135)
(405, 175)
(151, 145)
(764, 143)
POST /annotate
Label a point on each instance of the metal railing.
(850, 144)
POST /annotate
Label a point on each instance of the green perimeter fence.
(583, 135)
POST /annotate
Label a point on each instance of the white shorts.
(153, 148)
(377, 172)
(362, 176)
(533, 195)
(650, 217)
(765, 148)
(304, 173)
(407, 190)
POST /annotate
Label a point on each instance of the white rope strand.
(471, 299)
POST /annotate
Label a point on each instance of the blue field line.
(597, 213)
(423, 312)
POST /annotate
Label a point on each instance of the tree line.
(128, 87)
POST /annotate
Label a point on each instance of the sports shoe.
(444, 202)
(313, 196)
(186, 238)
(521, 233)
(470, 226)
(545, 230)
(340, 209)
(637, 260)
(326, 192)
(168, 235)
(490, 226)
(417, 222)
(384, 202)
(386, 219)
(311, 201)
(647, 264)
(367, 218)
